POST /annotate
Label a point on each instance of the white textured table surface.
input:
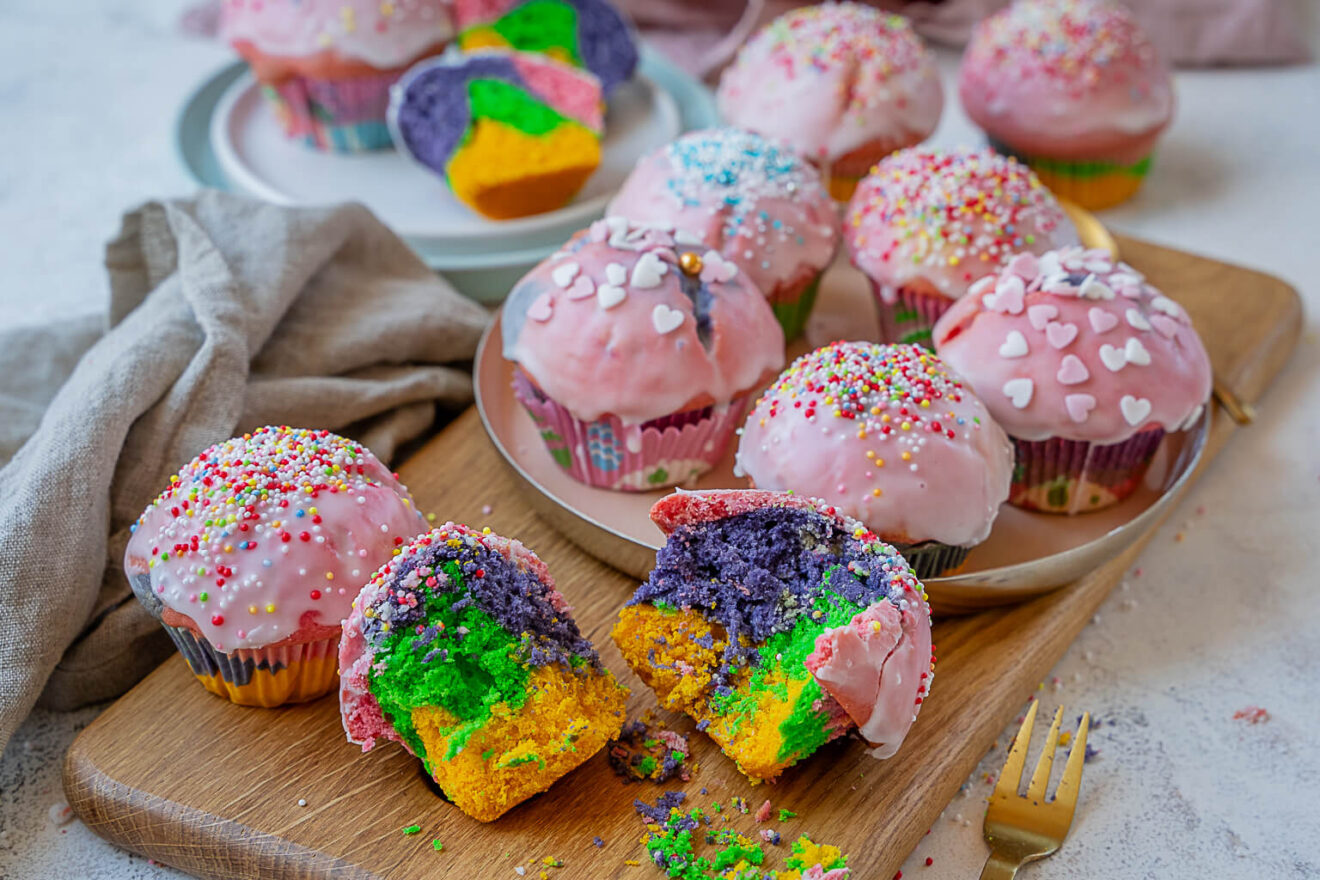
(1222, 614)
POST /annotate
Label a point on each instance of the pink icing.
(385, 35)
(943, 219)
(646, 340)
(1067, 79)
(266, 534)
(834, 77)
(750, 198)
(1132, 360)
(360, 713)
(570, 90)
(885, 434)
(878, 668)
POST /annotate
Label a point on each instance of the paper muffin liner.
(845, 172)
(911, 317)
(663, 452)
(792, 307)
(334, 115)
(931, 558)
(1073, 476)
(1093, 184)
(267, 677)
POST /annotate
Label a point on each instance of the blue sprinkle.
(300, 514)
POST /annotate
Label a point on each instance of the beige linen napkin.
(225, 314)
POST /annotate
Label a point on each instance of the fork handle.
(1000, 867)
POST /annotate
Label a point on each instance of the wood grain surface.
(183, 777)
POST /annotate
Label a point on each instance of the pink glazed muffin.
(636, 356)
(752, 199)
(326, 66)
(888, 436)
(926, 223)
(1075, 89)
(1085, 365)
(253, 556)
(844, 83)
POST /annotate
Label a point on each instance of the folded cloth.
(225, 314)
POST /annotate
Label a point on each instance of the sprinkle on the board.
(412, 829)
(437, 845)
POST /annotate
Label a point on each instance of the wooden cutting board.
(183, 777)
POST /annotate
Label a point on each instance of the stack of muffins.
(1014, 365)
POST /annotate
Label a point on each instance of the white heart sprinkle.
(1113, 358)
(981, 285)
(1059, 285)
(610, 295)
(564, 274)
(1097, 265)
(665, 319)
(1072, 371)
(1049, 264)
(1167, 306)
(648, 272)
(1015, 346)
(714, 268)
(1135, 409)
(1060, 335)
(1137, 320)
(1040, 315)
(1094, 288)
(1079, 406)
(616, 273)
(1019, 391)
(682, 236)
(1123, 279)
(1136, 353)
(541, 308)
(1101, 321)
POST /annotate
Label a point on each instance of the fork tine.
(1011, 776)
(1066, 795)
(1040, 779)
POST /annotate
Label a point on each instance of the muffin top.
(942, 219)
(752, 199)
(1059, 75)
(1075, 345)
(383, 36)
(640, 322)
(832, 77)
(267, 535)
(886, 435)
(588, 33)
(455, 620)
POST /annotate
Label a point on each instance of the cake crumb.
(1252, 715)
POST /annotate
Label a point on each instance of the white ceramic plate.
(258, 159)
(1026, 554)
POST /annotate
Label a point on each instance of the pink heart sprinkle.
(541, 309)
(1025, 266)
(1072, 371)
(581, 288)
(1059, 335)
(1079, 406)
(1101, 321)
(1009, 294)
(1041, 315)
(1165, 325)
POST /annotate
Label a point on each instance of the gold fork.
(1024, 829)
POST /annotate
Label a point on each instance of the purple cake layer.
(605, 42)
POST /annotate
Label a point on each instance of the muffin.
(926, 223)
(844, 83)
(778, 624)
(586, 33)
(462, 650)
(754, 200)
(636, 356)
(326, 66)
(887, 436)
(1075, 89)
(252, 556)
(1085, 365)
(512, 133)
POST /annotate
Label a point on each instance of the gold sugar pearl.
(690, 263)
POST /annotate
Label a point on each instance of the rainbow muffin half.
(462, 650)
(778, 625)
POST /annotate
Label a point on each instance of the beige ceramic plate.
(1026, 554)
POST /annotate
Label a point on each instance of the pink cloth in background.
(701, 35)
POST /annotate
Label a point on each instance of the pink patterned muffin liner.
(911, 317)
(668, 451)
(1073, 476)
(339, 115)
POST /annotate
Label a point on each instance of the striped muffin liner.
(931, 558)
(668, 451)
(1073, 476)
(912, 315)
(338, 116)
(265, 677)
